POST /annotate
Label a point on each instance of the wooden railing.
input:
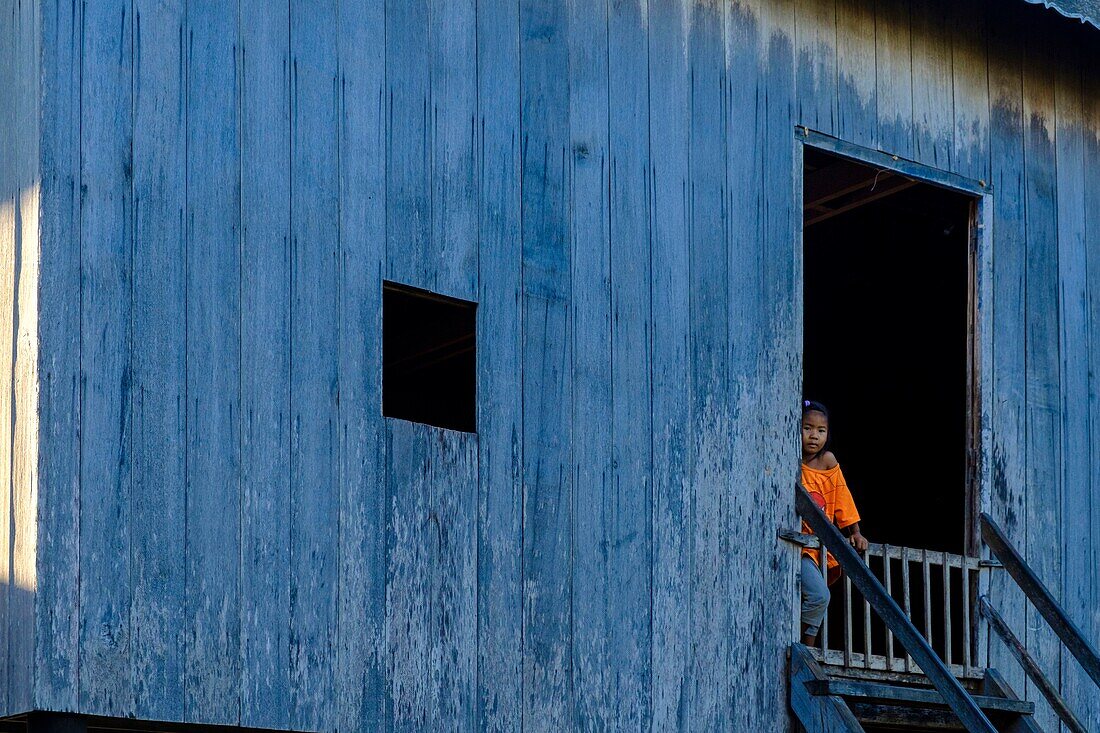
(937, 592)
(899, 624)
(1068, 632)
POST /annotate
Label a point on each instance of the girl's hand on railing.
(858, 541)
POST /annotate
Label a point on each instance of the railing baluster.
(866, 618)
(889, 592)
(823, 566)
(927, 597)
(946, 609)
(847, 621)
(908, 608)
(965, 569)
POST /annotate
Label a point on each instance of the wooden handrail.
(933, 667)
(1023, 656)
(1041, 598)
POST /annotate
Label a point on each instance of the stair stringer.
(817, 713)
(995, 684)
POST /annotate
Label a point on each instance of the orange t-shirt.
(829, 491)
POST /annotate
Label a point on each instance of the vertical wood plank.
(1073, 337)
(1007, 502)
(629, 522)
(452, 258)
(894, 77)
(670, 130)
(816, 56)
(408, 155)
(24, 366)
(779, 363)
(933, 120)
(57, 627)
(1041, 340)
(707, 704)
(314, 324)
(966, 28)
(409, 578)
(265, 364)
(432, 570)
(105, 429)
(1089, 59)
(159, 403)
(593, 624)
(500, 413)
(213, 364)
(857, 87)
(361, 654)
(746, 60)
(10, 187)
(454, 592)
(547, 381)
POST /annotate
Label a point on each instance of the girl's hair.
(813, 406)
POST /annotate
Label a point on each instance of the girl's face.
(815, 429)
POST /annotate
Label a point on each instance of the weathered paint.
(227, 529)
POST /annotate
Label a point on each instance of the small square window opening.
(429, 358)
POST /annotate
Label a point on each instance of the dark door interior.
(886, 344)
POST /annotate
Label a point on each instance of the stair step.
(873, 692)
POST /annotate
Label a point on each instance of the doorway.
(887, 324)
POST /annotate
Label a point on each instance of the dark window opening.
(429, 358)
(887, 282)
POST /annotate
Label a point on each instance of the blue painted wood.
(10, 190)
(779, 361)
(18, 257)
(905, 167)
(1091, 165)
(670, 130)
(1008, 489)
(57, 628)
(894, 77)
(547, 358)
(451, 258)
(453, 661)
(23, 156)
(967, 31)
(409, 249)
(933, 119)
(159, 404)
(265, 691)
(593, 620)
(1042, 375)
(432, 569)
(816, 55)
(707, 703)
(816, 713)
(213, 365)
(314, 326)
(360, 679)
(105, 246)
(412, 699)
(629, 520)
(1073, 325)
(747, 61)
(857, 88)
(499, 384)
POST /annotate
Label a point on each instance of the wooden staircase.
(835, 700)
(852, 699)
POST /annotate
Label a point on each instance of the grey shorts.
(815, 596)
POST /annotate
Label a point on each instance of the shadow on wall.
(16, 645)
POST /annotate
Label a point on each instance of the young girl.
(825, 484)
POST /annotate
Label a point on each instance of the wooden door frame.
(979, 449)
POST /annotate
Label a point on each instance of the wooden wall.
(19, 243)
(230, 531)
